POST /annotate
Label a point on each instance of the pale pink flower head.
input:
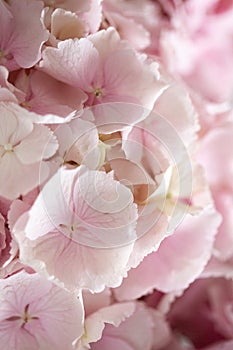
(21, 33)
(22, 149)
(36, 314)
(198, 47)
(99, 66)
(78, 214)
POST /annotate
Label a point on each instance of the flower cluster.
(116, 168)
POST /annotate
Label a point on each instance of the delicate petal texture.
(37, 314)
(176, 263)
(79, 144)
(114, 315)
(23, 148)
(134, 334)
(104, 75)
(81, 211)
(58, 98)
(21, 45)
(95, 301)
(6, 89)
(75, 57)
(66, 25)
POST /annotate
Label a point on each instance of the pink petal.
(55, 317)
(102, 214)
(6, 89)
(66, 25)
(74, 62)
(93, 16)
(79, 142)
(184, 120)
(96, 301)
(13, 175)
(40, 144)
(74, 265)
(24, 45)
(114, 315)
(16, 123)
(101, 207)
(117, 115)
(58, 98)
(127, 332)
(177, 262)
(215, 157)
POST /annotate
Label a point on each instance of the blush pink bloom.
(124, 328)
(58, 98)
(81, 229)
(198, 47)
(22, 149)
(99, 66)
(20, 44)
(38, 315)
(179, 260)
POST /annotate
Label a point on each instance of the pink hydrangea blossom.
(37, 314)
(116, 175)
(18, 133)
(198, 47)
(97, 65)
(20, 45)
(89, 213)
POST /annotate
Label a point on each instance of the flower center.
(26, 104)
(8, 147)
(98, 92)
(68, 230)
(25, 318)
